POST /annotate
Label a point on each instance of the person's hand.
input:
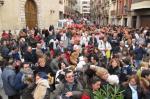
(69, 94)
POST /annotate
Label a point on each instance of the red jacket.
(84, 96)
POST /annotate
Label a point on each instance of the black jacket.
(128, 93)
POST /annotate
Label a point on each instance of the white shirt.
(102, 46)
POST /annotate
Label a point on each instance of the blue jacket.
(139, 53)
(8, 77)
(16, 56)
(19, 85)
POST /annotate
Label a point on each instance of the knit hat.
(42, 75)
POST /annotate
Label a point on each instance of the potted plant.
(109, 92)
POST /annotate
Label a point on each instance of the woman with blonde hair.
(106, 78)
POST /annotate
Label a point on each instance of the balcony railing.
(136, 1)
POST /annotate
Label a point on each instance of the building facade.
(140, 13)
(70, 8)
(85, 8)
(17, 14)
(100, 11)
(124, 12)
(113, 12)
(95, 10)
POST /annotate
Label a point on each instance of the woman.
(114, 67)
(60, 74)
(132, 89)
(94, 86)
(104, 75)
(42, 86)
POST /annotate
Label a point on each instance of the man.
(30, 55)
(93, 41)
(70, 88)
(8, 77)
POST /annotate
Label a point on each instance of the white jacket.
(104, 46)
(40, 90)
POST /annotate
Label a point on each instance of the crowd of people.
(75, 62)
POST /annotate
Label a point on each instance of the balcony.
(136, 1)
(113, 12)
(140, 4)
(113, 1)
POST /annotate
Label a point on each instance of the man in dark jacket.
(93, 40)
(30, 55)
(139, 53)
(114, 41)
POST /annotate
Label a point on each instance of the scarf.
(27, 75)
(134, 92)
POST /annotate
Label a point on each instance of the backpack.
(47, 94)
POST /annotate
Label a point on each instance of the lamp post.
(1, 2)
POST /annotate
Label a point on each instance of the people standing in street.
(8, 77)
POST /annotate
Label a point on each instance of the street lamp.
(1, 2)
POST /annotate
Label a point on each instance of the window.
(85, 7)
(84, 2)
(85, 10)
(60, 1)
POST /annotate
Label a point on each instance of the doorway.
(31, 14)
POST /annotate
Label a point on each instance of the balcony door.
(31, 14)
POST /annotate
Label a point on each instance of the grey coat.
(62, 88)
(8, 77)
(1, 82)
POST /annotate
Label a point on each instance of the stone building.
(140, 13)
(16, 14)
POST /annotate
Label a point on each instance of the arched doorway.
(31, 14)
